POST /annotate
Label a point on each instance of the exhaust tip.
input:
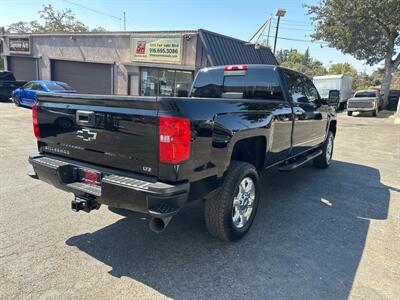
(157, 225)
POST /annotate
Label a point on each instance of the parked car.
(213, 145)
(365, 101)
(8, 84)
(26, 95)
(342, 83)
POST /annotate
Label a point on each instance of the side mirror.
(334, 98)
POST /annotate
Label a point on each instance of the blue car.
(26, 95)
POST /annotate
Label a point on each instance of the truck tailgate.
(114, 131)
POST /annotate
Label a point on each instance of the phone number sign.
(164, 50)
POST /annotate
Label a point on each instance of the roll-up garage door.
(24, 68)
(86, 78)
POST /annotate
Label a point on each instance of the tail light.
(235, 68)
(35, 121)
(175, 139)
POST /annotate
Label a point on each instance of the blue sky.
(237, 18)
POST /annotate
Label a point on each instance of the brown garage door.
(24, 68)
(86, 78)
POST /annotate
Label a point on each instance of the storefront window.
(164, 82)
(183, 82)
(149, 82)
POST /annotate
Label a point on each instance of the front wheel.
(230, 212)
(16, 101)
(323, 161)
(349, 113)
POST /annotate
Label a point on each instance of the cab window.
(295, 86)
(311, 90)
(260, 84)
(37, 87)
(27, 86)
(208, 84)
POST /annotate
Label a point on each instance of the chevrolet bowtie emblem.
(86, 135)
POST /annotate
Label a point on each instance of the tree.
(339, 68)
(54, 21)
(304, 63)
(23, 27)
(368, 30)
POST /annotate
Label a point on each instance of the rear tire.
(324, 160)
(349, 113)
(223, 211)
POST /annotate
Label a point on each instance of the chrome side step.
(290, 166)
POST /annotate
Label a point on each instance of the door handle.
(85, 118)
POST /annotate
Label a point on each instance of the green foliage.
(98, 29)
(366, 29)
(364, 81)
(340, 68)
(302, 62)
(52, 21)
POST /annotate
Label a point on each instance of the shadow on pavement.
(298, 247)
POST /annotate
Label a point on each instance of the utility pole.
(279, 13)
(269, 29)
(124, 21)
(260, 33)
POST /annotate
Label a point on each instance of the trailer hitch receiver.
(85, 204)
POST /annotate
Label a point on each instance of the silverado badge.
(86, 135)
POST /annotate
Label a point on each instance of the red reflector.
(35, 122)
(235, 68)
(90, 177)
(175, 139)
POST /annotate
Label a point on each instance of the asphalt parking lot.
(330, 234)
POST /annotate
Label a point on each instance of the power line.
(296, 29)
(93, 10)
(295, 22)
(300, 40)
(294, 25)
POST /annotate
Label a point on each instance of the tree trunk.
(390, 66)
(387, 79)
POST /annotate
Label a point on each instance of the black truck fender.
(237, 135)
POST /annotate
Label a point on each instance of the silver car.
(365, 101)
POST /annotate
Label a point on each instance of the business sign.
(19, 45)
(162, 50)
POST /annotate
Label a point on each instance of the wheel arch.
(243, 150)
(332, 127)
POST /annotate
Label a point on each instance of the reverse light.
(175, 139)
(235, 68)
(35, 122)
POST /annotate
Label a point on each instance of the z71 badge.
(86, 135)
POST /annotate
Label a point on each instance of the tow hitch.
(85, 204)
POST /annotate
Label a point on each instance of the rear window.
(58, 87)
(208, 84)
(260, 84)
(365, 95)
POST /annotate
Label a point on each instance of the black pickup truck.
(8, 84)
(155, 154)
